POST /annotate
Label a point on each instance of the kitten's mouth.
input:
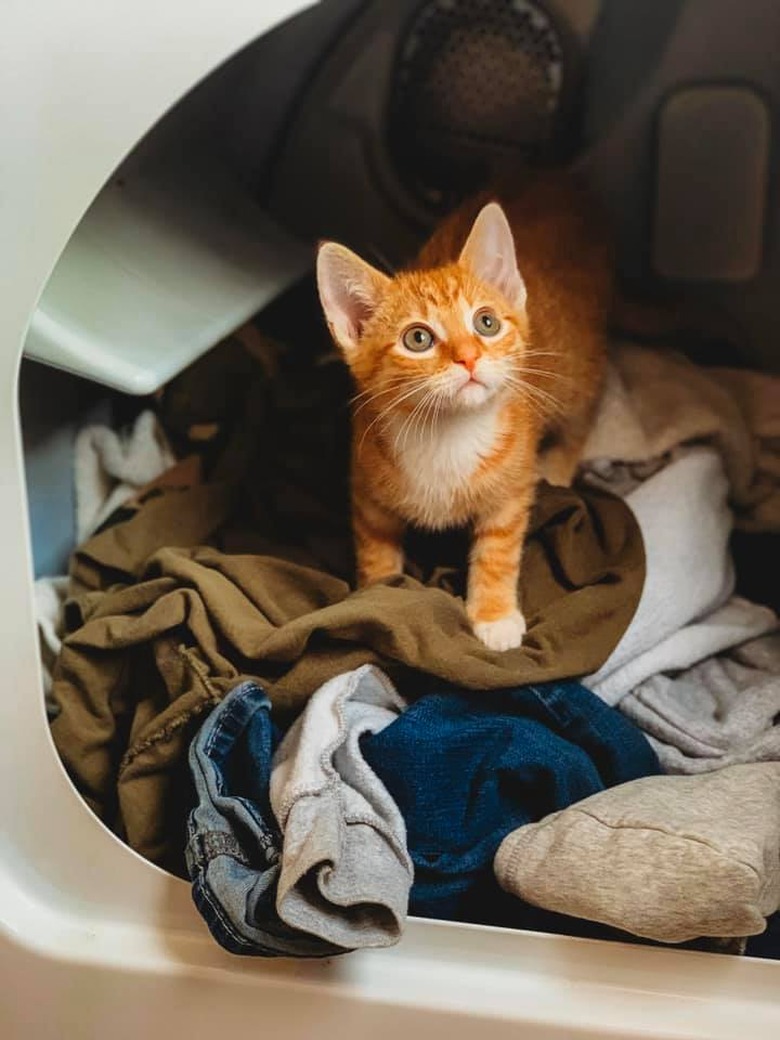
(472, 381)
(472, 393)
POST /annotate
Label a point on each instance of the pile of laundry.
(321, 762)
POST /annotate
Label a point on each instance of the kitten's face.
(438, 341)
(431, 342)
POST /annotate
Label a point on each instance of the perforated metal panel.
(475, 82)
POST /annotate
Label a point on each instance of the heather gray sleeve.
(670, 858)
(346, 873)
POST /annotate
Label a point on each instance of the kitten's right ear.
(350, 291)
(490, 253)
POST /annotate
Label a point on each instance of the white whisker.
(372, 395)
(405, 395)
(536, 394)
(409, 422)
(525, 370)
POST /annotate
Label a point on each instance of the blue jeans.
(466, 769)
(233, 848)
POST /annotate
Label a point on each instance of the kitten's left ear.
(490, 253)
(350, 291)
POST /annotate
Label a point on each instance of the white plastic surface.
(156, 273)
(95, 942)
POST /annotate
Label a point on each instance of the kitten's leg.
(494, 569)
(378, 535)
(558, 463)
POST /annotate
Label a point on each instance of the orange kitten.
(492, 343)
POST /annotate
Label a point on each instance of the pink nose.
(469, 362)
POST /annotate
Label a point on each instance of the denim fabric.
(233, 849)
(467, 769)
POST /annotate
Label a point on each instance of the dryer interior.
(365, 122)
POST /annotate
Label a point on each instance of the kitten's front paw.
(504, 633)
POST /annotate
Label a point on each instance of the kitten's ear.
(490, 253)
(350, 291)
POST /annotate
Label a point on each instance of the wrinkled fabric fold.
(687, 611)
(146, 659)
(345, 874)
(721, 712)
(657, 401)
(467, 769)
(670, 858)
(233, 848)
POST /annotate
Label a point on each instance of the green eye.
(486, 322)
(418, 338)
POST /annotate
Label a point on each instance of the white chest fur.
(438, 461)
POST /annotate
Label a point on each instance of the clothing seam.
(334, 782)
(693, 839)
(514, 856)
(233, 710)
(204, 890)
(175, 724)
(350, 819)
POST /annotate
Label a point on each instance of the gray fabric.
(720, 712)
(346, 873)
(670, 858)
(687, 611)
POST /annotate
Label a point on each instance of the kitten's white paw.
(505, 633)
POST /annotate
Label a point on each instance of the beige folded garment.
(670, 858)
(657, 400)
